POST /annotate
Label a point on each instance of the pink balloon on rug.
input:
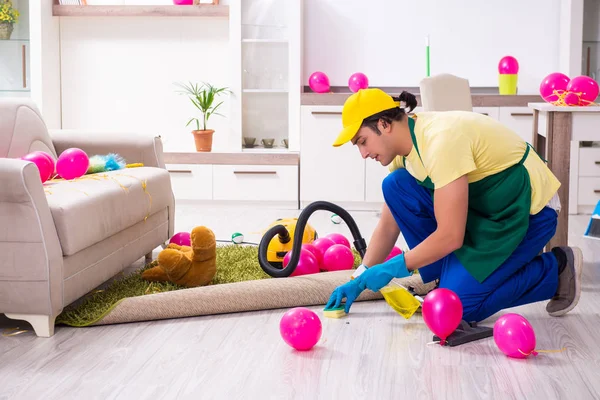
(514, 336)
(300, 328)
(395, 251)
(307, 263)
(44, 163)
(338, 238)
(337, 257)
(322, 244)
(182, 239)
(358, 81)
(72, 163)
(315, 252)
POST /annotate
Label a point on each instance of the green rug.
(234, 264)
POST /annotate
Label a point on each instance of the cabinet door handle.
(521, 114)
(24, 60)
(255, 172)
(484, 114)
(326, 112)
(596, 190)
(180, 171)
(597, 162)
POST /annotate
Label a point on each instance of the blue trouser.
(525, 277)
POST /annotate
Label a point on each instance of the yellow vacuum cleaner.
(280, 245)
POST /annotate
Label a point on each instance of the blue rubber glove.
(380, 275)
(350, 291)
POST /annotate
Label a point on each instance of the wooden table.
(557, 132)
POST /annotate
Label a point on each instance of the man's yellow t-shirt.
(457, 143)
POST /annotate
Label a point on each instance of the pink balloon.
(337, 257)
(508, 65)
(395, 251)
(571, 99)
(300, 328)
(442, 312)
(182, 239)
(514, 336)
(319, 82)
(555, 81)
(322, 244)
(338, 238)
(307, 263)
(72, 163)
(585, 87)
(49, 157)
(315, 252)
(358, 81)
(44, 163)
(183, 2)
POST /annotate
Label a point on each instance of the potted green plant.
(8, 17)
(202, 97)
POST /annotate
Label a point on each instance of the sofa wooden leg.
(148, 258)
(43, 325)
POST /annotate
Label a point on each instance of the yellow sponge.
(334, 312)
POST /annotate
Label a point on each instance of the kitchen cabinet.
(266, 59)
(191, 181)
(335, 174)
(255, 182)
(519, 119)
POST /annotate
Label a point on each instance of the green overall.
(497, 218)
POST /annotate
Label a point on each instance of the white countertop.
(550, 107)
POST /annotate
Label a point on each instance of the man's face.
(372, 145)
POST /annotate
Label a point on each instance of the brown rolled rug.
(254, 295)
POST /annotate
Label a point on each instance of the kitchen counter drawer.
(191, 181)
(589, 161)
(255, 182)
(588, 191)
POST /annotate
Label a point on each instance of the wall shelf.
(221, 11)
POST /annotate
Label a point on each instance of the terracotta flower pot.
(203, 139)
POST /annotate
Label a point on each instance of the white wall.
(591, 37)
(386, 39)
(119, 74)
(591, 20)
(21, 28)
(45, 62)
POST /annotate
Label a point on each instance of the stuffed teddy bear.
(188, 266)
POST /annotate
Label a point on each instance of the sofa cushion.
(96, 206)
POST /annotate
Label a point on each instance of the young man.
(475, 204)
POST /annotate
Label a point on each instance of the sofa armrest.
(133, 147)
(31, 266)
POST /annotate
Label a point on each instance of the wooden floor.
(371, 354)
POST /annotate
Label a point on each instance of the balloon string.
(561, 94)
(552, 351)
(535, 352)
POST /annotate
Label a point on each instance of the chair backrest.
(22, 129)
(445, 92)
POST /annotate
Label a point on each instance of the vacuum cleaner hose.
(359, 242)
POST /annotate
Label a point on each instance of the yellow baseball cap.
(361, 105)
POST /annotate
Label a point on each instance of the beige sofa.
(62, 239)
